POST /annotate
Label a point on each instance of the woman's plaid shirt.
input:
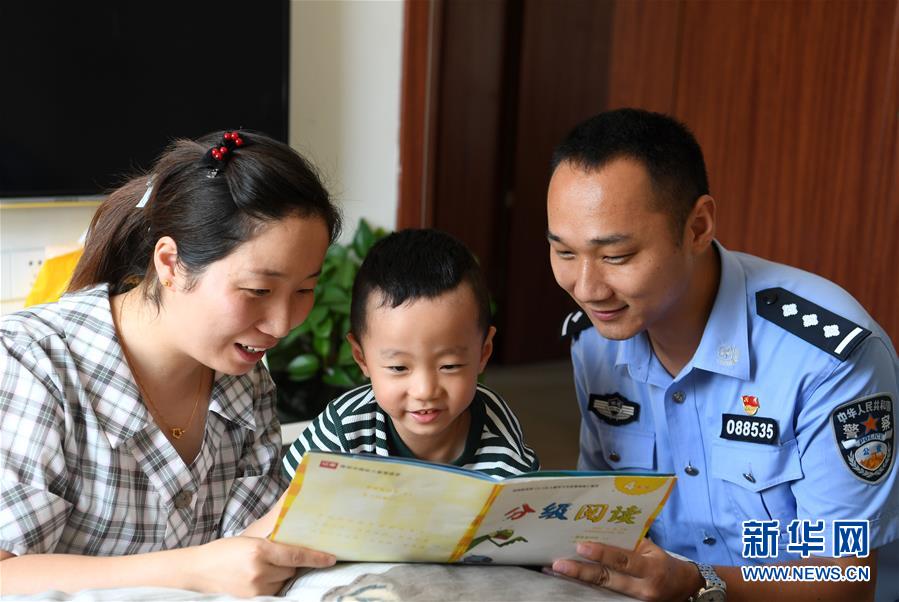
(84, 469)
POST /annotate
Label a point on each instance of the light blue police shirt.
(644, 419)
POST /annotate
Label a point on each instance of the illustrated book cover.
(388, 509)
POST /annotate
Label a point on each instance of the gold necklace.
(175, 431)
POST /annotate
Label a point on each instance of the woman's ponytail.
(118, 246)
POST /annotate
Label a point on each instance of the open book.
(387, 509)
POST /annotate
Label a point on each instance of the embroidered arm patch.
(863, 429)
(812, 323)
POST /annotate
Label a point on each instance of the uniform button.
(709, 541)
(748, 476)
(183, 499)
(691, 470)
(679, 396)
(769, 298)
(614, 457)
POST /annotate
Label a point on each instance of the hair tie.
(218, 156)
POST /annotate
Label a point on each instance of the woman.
(138, 435)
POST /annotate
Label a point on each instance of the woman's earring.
(167, 283)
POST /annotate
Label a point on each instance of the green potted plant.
(314, 362)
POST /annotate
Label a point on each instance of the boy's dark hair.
(208, 217)
(413, 264)
(663, 145)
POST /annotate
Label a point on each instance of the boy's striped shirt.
(354, 423)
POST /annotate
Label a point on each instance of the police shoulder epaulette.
(812, 323)
(575, 323)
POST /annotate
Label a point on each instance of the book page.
(380, 509)
(538, 520)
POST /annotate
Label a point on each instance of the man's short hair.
(663, 145)
(413, 264)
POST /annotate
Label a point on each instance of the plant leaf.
(336, 254)
(363, 240)
(303, 367)
(345, 275)
(324, 328)
(337, 377)
(332, 296)
(315, 317)
(292, 336)
(322, 347)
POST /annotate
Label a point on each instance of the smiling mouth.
(426, 416)
(608, 314)
(249, 349)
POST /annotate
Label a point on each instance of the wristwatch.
(714, 589)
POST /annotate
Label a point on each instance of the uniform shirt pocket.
(757, 478)
(627, 448)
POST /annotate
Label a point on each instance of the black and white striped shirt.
(354, 423)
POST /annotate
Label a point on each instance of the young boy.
(420, 330)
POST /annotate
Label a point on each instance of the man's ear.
(165, 260)
(357, 354)
(486, 349)
(700, 230)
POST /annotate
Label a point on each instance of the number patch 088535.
(752, 429)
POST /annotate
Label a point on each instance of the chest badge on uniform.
(614, 408)
(864, 433)
(750, 429)
(750, 404)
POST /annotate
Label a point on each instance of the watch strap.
(712, 581)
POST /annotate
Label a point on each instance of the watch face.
(712, 595)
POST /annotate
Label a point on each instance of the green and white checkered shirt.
(84, 469)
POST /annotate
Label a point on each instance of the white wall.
(345, 69)
(346, 58)
(31, 231)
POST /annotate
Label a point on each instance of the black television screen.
(93, 90)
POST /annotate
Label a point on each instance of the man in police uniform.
(769, 391)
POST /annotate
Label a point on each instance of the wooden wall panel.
(880, 297)
(644, 54)
(791, 103)
(794, 101)
(564, 78)
(417, 107)
(466, 170)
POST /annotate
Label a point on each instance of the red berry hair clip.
(217, 157)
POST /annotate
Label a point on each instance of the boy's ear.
(486, 349)
(357, 354)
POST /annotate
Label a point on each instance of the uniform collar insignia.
(812, 323)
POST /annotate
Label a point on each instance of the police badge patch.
(614, 408)
(864, 434)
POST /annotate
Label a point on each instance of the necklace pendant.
(177, 432)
